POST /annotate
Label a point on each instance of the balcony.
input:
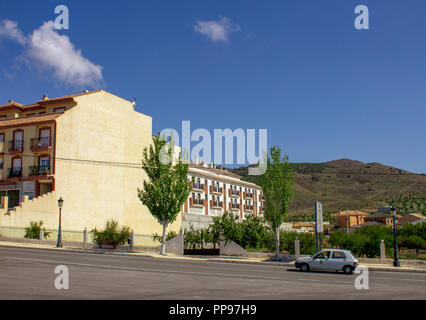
(234, 206)
(197, 186)
(234, 193)
(248, 207)
(248, 195)
(40, 144)
(16, 146)
(194, 202)
(216, 204)
(39, 170)
(14, 172)
(215, 189)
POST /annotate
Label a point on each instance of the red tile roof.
(29, 120)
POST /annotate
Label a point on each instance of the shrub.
(33, 231)
(158, 238)
(112, 234)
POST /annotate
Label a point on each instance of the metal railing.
(235, 192)
(198, 202)
(39, 170)
(40, 143)
(198, 186)
(217, 204)
(16, 145)
(217, 189)
(14, 172)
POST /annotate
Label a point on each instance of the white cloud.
(216, 30)
(10, 30)
(47, 49)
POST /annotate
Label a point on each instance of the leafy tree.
(415, 242)
(33, 231)
(168, 186)
(278, 192)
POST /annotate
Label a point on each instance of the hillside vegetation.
(347, 184)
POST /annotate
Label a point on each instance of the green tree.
(167, 186)
(415, 242)
(278, 192)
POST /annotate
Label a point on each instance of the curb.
(288, 265)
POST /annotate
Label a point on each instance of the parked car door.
(337, 260)
(320, 260)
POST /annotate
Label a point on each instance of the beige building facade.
(85, 148)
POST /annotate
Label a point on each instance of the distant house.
(419, 221)
(409, 218)
(384, 209)
(304, 226)
(350, 218)
(385, 219)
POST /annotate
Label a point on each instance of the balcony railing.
(249, 195)
(233, 192)
(39, 170)
(40, 143)
(197, 186)
(16, 145)
(14, 172)
(199, 202)
(234, 206)
(217, 204)
(217, 189)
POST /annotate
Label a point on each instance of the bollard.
(84, 237)
(132, 239)
(382, 250)
(296, 248)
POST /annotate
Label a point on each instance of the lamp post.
(395, 244)
(60, 204)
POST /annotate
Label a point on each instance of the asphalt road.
(30, 274)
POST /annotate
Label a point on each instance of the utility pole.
(347, 221)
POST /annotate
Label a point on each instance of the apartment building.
(216, 191)
(85, 148)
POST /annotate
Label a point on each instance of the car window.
(338, 255)
(319, 256)
(326, 254)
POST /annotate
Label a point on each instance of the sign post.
(318, 224)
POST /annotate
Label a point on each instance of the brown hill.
(343, 163)
(347, 184)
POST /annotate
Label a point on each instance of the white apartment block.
(216, 191)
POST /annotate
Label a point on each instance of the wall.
(100, 128)
(103, 127)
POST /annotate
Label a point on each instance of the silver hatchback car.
(329, 260)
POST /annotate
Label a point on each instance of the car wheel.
(304, 267)
(347, 269)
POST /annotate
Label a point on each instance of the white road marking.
(302, 279)
(141, 269)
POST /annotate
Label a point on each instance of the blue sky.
(300, 69)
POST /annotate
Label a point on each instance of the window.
(44, 163)
(59, 110)
(338, 255)
(1, 137)
(1, 163)
(3, 117)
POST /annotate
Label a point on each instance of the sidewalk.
(223, 259)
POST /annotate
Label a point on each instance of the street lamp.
(395, 244)
(60, 204)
